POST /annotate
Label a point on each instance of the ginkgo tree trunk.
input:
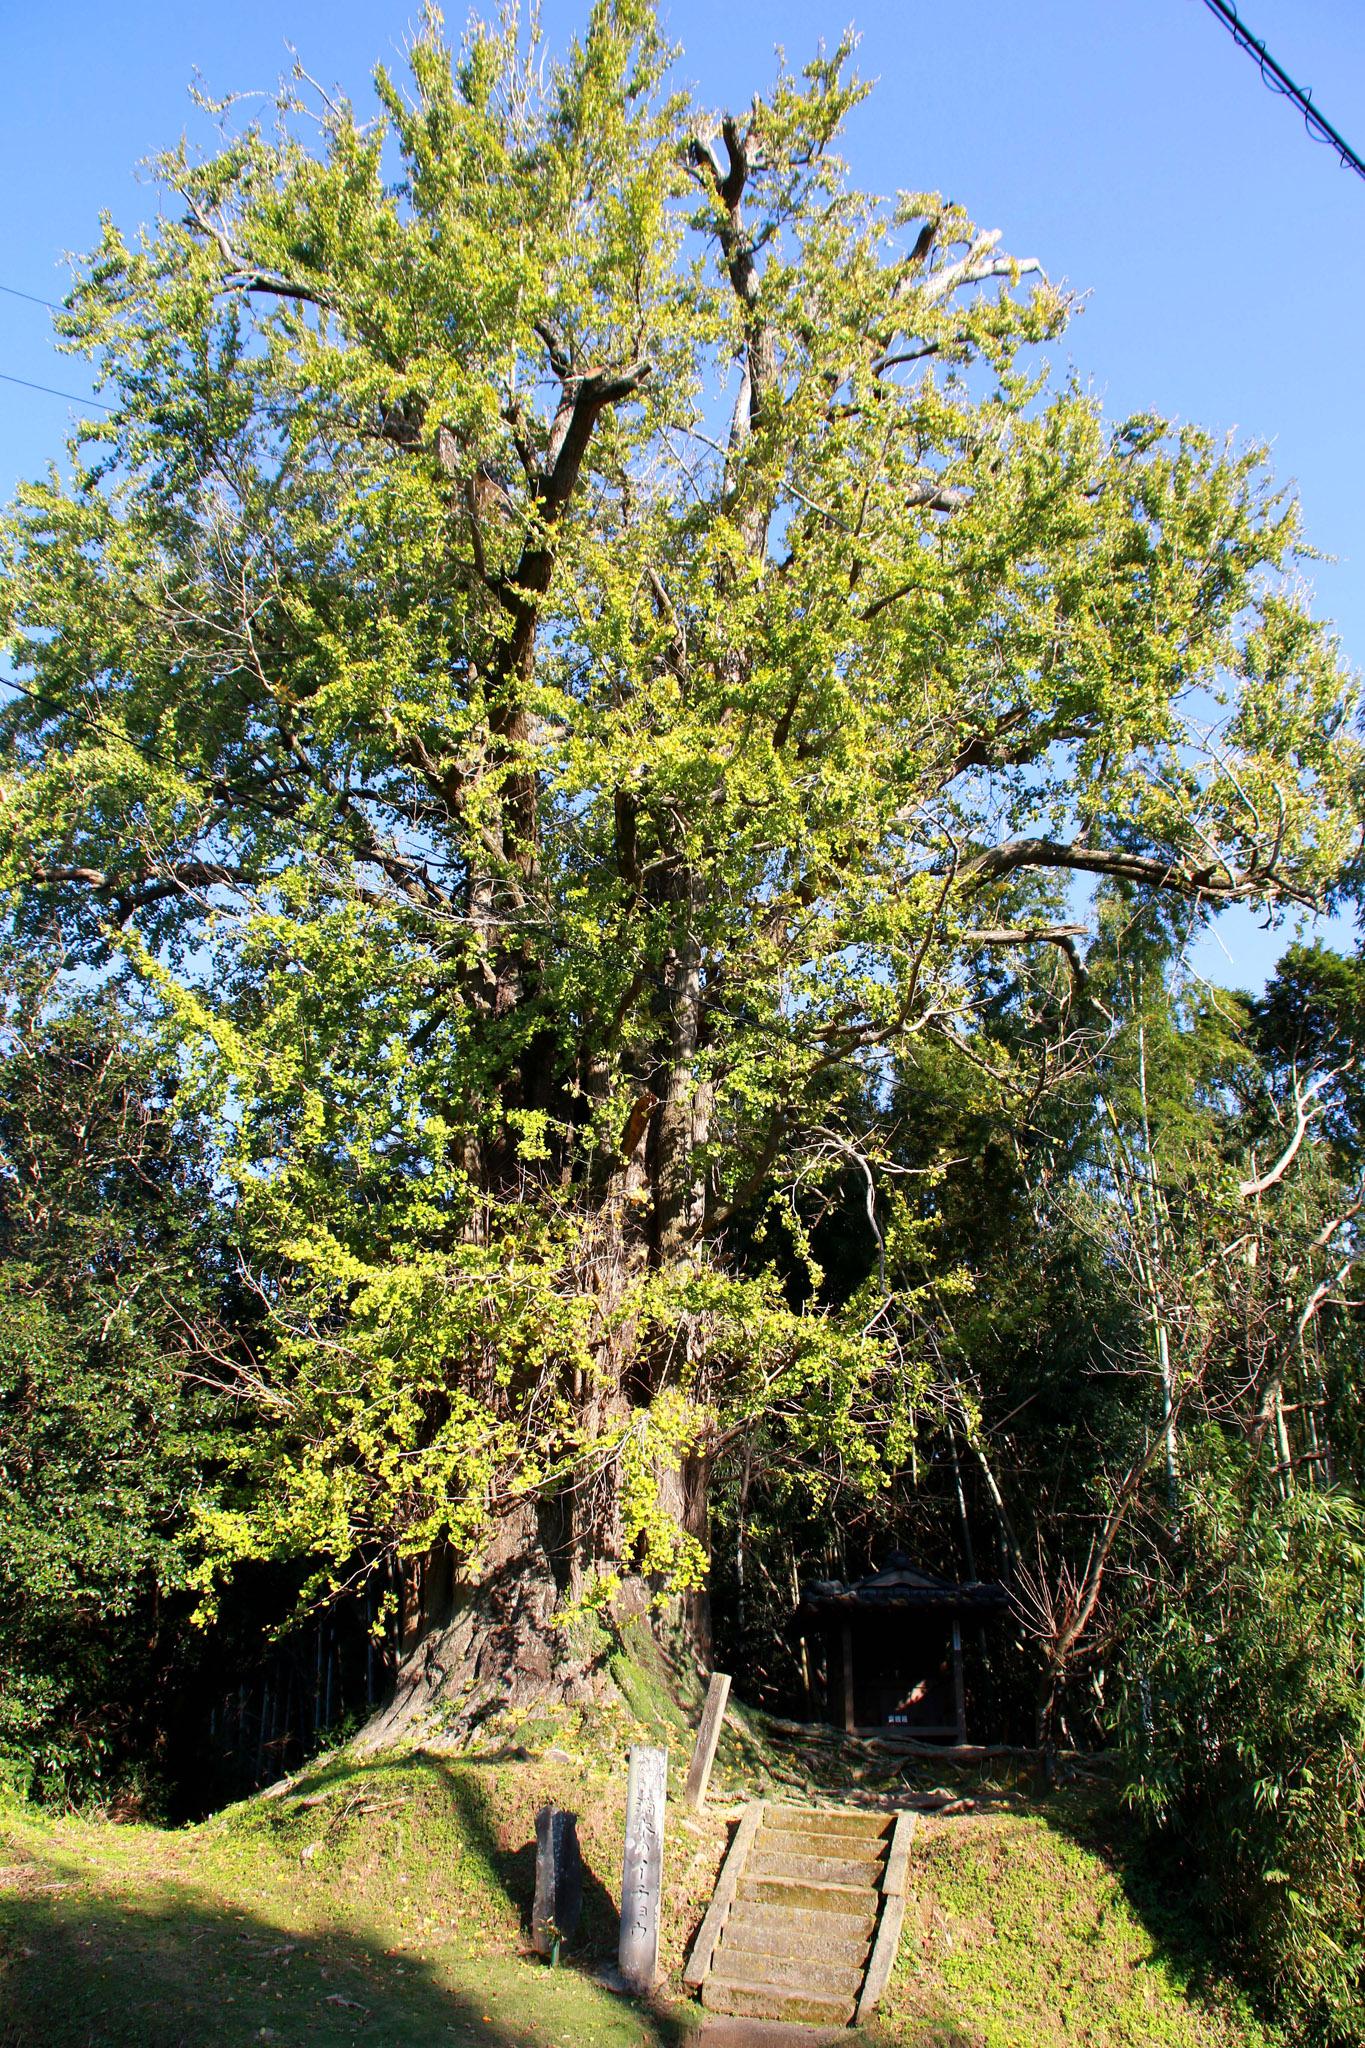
(576, 634)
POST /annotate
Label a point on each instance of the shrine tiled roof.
(901, 1584)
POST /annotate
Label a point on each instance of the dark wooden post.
(708, 1736)
(559, 1881)
(849, 1719)
(959, 1692)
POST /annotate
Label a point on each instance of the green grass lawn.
(1022, 1932)
(381, 1904)
(388, 1903)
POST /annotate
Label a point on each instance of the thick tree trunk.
(686, 1494)
(502, 1637)
(488, 1642)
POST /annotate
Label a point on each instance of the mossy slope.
(382, 1902)
(387, 1901)
(1022, 1932)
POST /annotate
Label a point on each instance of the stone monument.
(643, 1870)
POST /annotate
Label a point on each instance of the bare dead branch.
(1306, 1107)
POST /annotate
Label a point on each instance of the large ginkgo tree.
(577, 634)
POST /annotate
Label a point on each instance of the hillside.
(387, 1901)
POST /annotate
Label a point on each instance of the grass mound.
(1023, 1932)
(387, 1901)
(374, 1902)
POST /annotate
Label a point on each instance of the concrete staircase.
(806, 1916)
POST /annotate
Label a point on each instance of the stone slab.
(790, 1947)
(758, 2000)
(898, 1857)
(833, 1820)
(789, 1891)
(787, 1973)
(883, 1957)
(810, 1923)
(559, 1880)
(806, 1842)
(719, 2030)
(845, 1870)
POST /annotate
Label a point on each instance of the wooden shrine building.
(888, 1649)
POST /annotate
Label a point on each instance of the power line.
(52, 392)
(11, 292)
(1277, 79)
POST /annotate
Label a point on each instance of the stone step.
(830, 1820)
(806, 1842)
(801, 1922)
(798, 1929)
(846, 1870)
(790, 1891)
(787, 1973)
(755, 1948)
(836, 1955)
(754, 1999)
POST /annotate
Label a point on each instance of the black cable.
(12, 293)
(52, 392)
(1277, 79)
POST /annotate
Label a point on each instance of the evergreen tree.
(112, 1337)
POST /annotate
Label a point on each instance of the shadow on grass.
(515, 1869)
(934, 2027)
(511, 1869)
(1158, 1890)
(86, 1968)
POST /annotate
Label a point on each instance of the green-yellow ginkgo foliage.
(578, 633)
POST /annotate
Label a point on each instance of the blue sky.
(1126, 143)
